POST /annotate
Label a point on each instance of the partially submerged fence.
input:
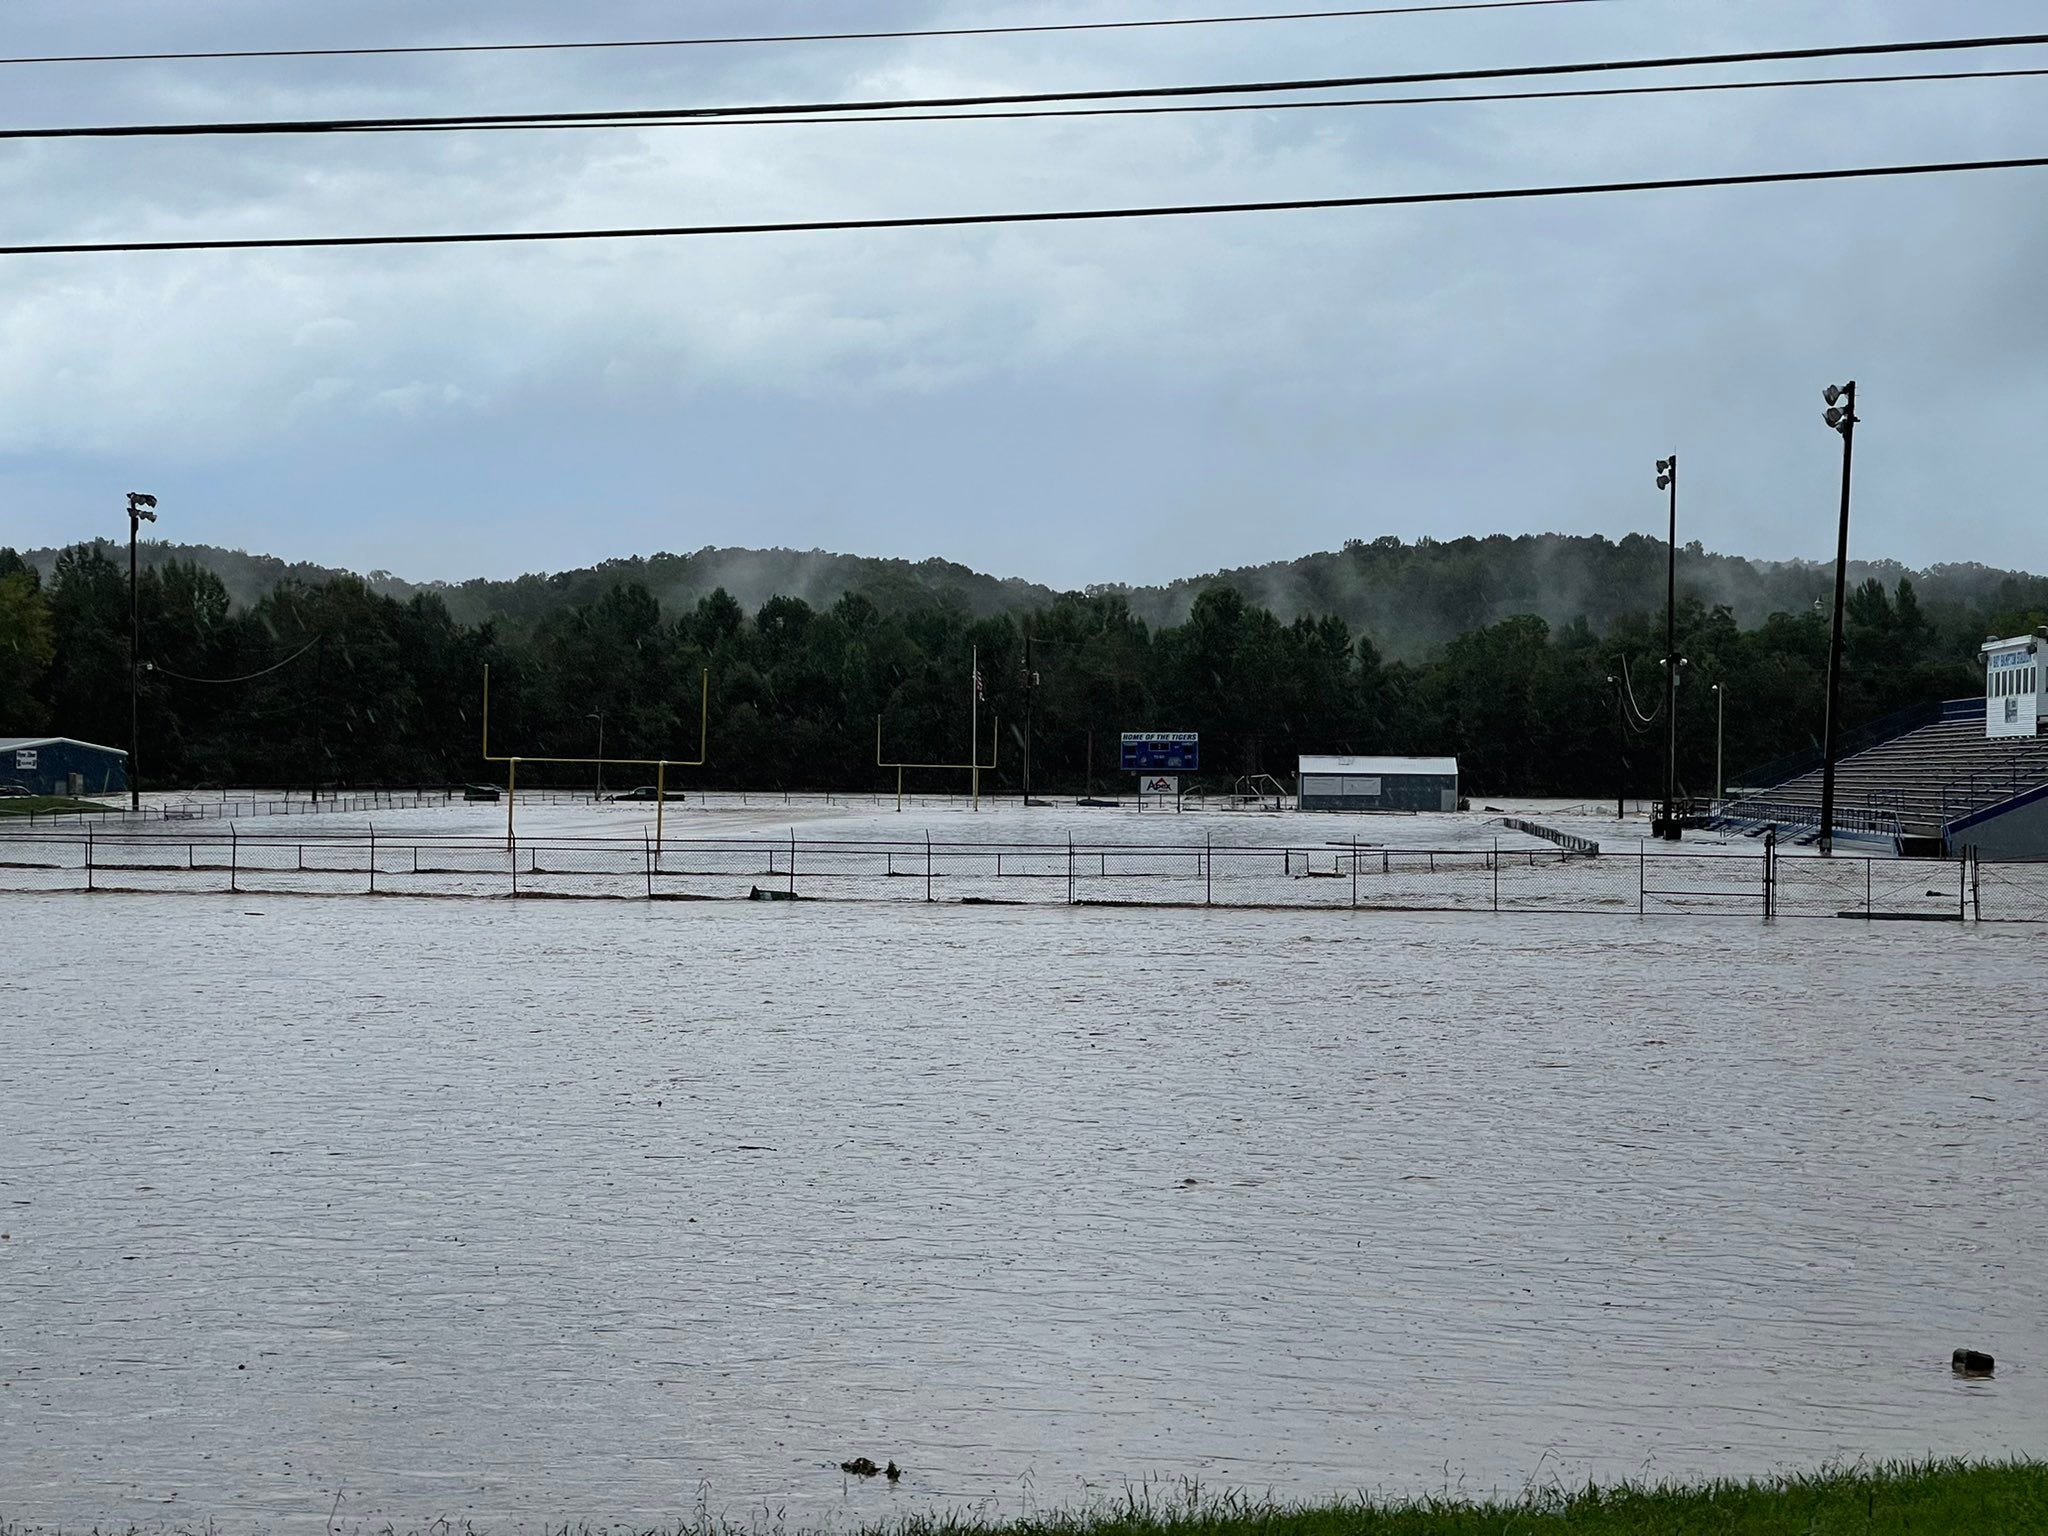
(1338, 875)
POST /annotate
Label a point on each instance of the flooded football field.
(369, 1210)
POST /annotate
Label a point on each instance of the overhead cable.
(247, 677)
(1062, 216)
(1583, 93)
(1015, 99)
(901, 34)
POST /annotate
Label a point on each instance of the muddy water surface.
(591, 1211)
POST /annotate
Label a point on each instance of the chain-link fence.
(1327, 875)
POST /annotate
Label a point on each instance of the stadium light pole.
(1667, 480)
(1841, 416)
(141, 509)
(598, 716)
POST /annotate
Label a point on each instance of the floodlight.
(1833, 416)
(1663, 466)
(1663, 482)
(1831, 394)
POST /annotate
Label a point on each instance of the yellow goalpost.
(660, 765)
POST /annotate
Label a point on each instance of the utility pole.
(974, 729)
(1841, 415)
(141, 508)
(1030, 698)
(1720, 718)
(1621, 750)
(1667, 480)
(598, 716)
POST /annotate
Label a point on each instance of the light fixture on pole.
(1667, 823)
(141, 509)
(1841, 416)
(598, 716)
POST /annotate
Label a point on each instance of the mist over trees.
(331, 681)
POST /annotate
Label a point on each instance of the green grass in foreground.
(43, 805)
(1928, 1499)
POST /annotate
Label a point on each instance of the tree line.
(330, 683)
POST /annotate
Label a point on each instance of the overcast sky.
(1128, 401)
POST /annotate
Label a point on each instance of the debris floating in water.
(1971, 1362)
(860, 1466)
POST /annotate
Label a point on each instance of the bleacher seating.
(1927, 777)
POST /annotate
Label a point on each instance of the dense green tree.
(333, 681)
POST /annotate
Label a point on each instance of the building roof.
(9, 743)
(1441, 766)
(2014, 643)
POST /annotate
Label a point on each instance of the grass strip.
(1935, 1498)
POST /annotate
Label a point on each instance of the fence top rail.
(1364, 853)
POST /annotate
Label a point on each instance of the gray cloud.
(1117, 402)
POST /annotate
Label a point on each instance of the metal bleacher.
(1915, 774)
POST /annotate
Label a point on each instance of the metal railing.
(1853, 821)
(1349, 875)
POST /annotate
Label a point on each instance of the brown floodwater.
(602, 1211)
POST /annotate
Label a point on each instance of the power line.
(1470, 98)
(247, 677)
(1062, 216)
(793, 37)
(1029, 98)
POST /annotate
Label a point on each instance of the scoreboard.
(1162, 751)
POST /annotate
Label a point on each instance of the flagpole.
(974, 725)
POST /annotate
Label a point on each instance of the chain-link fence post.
(927, 867)
(1070, 869)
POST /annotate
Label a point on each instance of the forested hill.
(330, 681)
(750, 576)
(1410, 599)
